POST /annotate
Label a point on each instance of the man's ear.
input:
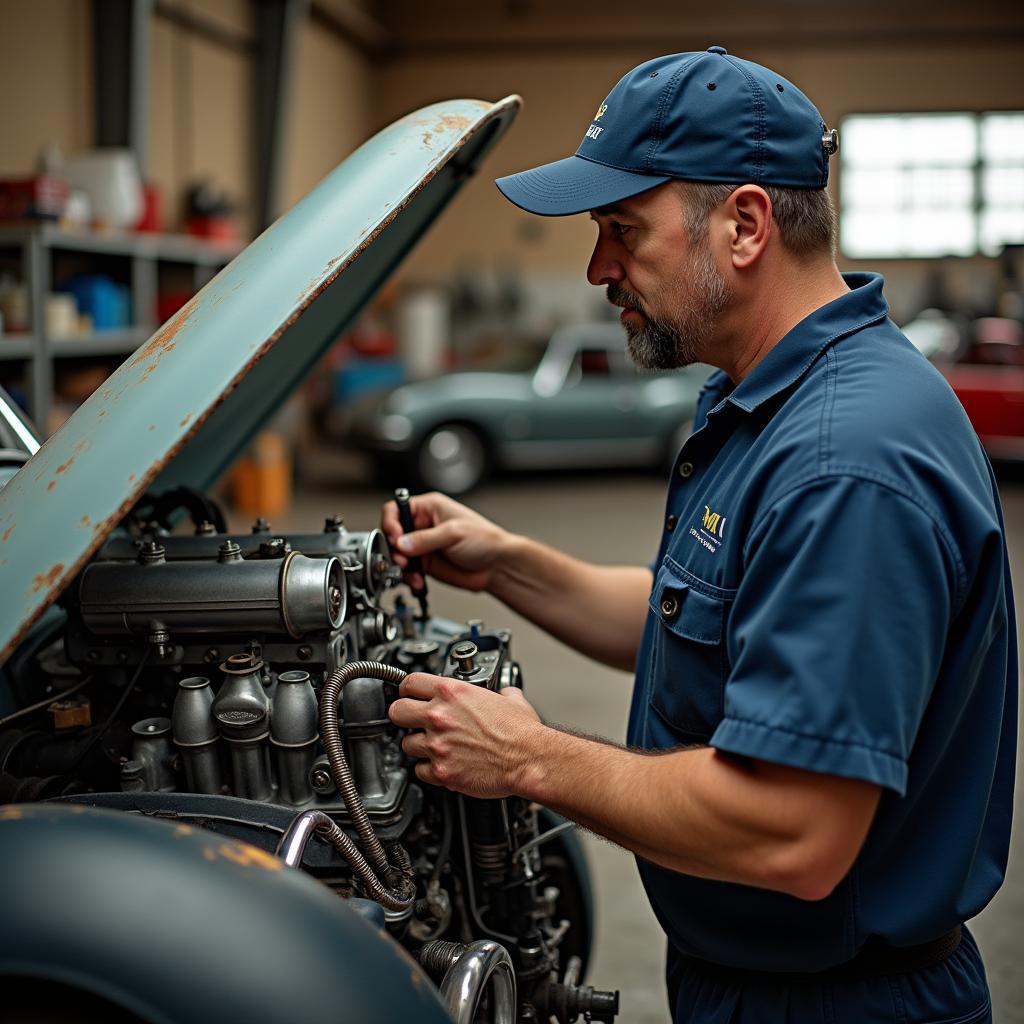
(749, 214)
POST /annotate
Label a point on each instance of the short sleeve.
(837, 633)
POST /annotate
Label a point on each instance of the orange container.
(261, 480)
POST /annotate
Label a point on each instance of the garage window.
(936, 185)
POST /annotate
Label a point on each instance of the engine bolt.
(261, 526)
(465, 657)
(321, 779)
(151, 552)
(93, 655)
(229, 551)
(304, 653)
(334, 524)
(211, 656)
(205, 529)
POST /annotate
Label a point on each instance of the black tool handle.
(415, 563)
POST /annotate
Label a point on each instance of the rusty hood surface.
(182, 407)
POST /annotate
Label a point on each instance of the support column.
(277, 23)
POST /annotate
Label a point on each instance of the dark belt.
(876, 959)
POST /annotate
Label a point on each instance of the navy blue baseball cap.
(705, 116)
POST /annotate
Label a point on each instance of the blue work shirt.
(832, 593)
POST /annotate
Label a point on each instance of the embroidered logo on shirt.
(711, 531)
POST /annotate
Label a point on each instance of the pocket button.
(669, 607)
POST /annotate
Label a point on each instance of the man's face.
(670, 290)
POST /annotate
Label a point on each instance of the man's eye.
(620, 229)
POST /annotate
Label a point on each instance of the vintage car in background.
(584, 405)
(983, 360)
(205, 813)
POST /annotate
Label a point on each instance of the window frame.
(977, 168)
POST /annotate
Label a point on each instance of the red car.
(984, 365)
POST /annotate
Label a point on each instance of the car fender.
(178, 924)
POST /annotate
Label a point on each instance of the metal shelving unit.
(145, 252)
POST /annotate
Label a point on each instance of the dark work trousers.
(952, 992)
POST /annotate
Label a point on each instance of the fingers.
(420, 685)
(424, 542)
(425, 773)
(415, 745)
(409, 713)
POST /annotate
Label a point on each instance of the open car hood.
(182, 407)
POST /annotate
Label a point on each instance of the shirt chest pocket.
(689, 666)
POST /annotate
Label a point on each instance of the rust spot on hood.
(244, 855)
(454, 123)
(50, 486)
(163, 341)
(8, 532)
(86, 521)
(47, 579)
(11, 812)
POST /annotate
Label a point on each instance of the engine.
(241, 683)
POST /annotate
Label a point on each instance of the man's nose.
(603, 267)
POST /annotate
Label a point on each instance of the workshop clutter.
(260, 482)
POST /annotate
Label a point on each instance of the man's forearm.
(702, 813)
(598, 610)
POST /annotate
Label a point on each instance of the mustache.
(619, 296)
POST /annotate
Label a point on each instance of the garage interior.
(232, 110)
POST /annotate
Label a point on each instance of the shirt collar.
(793, 355)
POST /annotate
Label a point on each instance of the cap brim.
(573, 185)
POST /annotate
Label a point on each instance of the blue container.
(101, 298)
(364, 376)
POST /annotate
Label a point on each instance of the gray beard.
(682, 338)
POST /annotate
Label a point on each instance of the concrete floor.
(616, 519)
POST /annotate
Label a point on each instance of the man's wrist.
(508, 559)
(535, 747)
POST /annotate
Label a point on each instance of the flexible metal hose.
(340, 771)
(293, 845)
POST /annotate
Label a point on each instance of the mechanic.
(818, 782)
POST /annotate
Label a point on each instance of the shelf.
(17, 346)
(173, 248)
(37, 246)
(97, 343)
(101, 343)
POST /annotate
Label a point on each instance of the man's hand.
(597, 609)
(457, 545)
(473, 741)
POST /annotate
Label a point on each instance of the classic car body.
(584, 406)
(208, 814)
(984, 363)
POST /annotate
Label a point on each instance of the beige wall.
(200, 108)
(45, 79)
(561, 90)
(200, 120)
(562, 58)
(330, 110)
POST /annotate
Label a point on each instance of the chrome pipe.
(293, 845)
(484, 963)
